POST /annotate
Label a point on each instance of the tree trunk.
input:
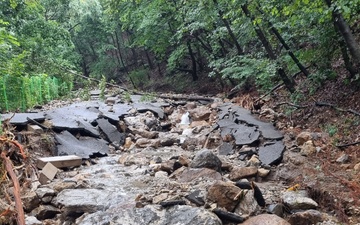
(193, 61)
(148, 59)
(288, 81)
(291, 54)
(346, 33)
(230, 31)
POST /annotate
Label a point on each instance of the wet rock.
(168, 166)
(308, 148)
(224, 194)
(303, 137)
(277, 209)
(31, 220)
(45, 194)
(45, 212)
(206, 158)
(196, 197)
(191, 174)
(110, 131)
(298, 200)
(78, 201)
(226, 148)
(263, 172)
(64, 184)
(238, 173)
(265, 219)
(343, 158)
(271, 154)
(248, 205)
(30, 201)
(307, 217)
(180, 214)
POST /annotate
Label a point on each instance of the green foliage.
(148, 97)
(139, 77)
(331, 129)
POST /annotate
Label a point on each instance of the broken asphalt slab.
(20, 119)
(111, 133)
(272, 153)
(85, 147)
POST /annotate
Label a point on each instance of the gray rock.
(266, 219)
(190, 174)
(86, 200)
(238, 173)
(45, 212)
(277, 209)
(45, 194)
(271, 154)
(298, 200)
(31, 220)
(30, 201)
(110, 131)
(206, 158)
(151, 215)
(307, 217)
(343, 158)
(248, 205)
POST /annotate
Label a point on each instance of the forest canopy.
(259, 43)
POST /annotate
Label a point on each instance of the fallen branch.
(20, 217)
(277, 86)
(22, 152)
(337, 108)
(346, 145)
(291, 104)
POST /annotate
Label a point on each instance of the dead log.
(347, 145)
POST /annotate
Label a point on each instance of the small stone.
(248, 205)
(298, 200)
(277, 209)
(357, 167)
(128, 143)
(45, 194)
(307, 217)
(30, 201)
(224, 194)
(266, 219)
(206, 159)
(308, 148)
(190, 174)
(161, 174)
(183, 160)
(253, 161)
(263, 172)
(31, 220)
(45, 212)
(159, 198)
(238, 173)
(343, 158)
(303, 137)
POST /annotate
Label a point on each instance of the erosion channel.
(165, 161)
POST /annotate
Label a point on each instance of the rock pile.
(168, 162)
